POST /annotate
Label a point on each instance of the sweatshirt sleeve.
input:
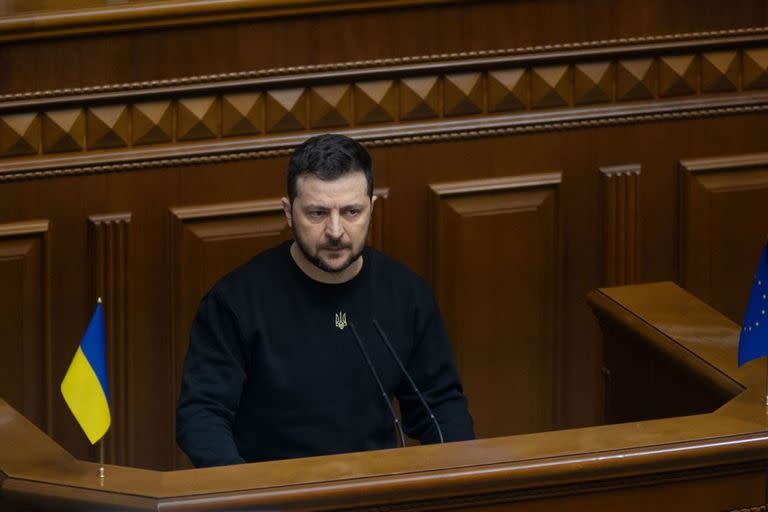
(433, 369)
(211, 385)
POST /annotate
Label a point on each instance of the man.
(274, 369)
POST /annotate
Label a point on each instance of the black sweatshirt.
(269, 374)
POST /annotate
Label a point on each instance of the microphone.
(395, 419)
(410, 380)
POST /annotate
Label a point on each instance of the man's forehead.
(351, 186)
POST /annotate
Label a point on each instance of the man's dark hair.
(328, 157)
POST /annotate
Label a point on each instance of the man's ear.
(288, 211)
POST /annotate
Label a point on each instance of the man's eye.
(353, 212)
(315, 214)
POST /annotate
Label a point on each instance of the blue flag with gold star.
(753, 340)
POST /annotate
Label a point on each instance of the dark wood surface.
(709, 460)
(529, 152)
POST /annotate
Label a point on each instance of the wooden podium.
(693, 437)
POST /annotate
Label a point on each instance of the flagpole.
(101, 458)
(101, 441)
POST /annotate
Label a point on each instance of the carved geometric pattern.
(755, 68)
(719, 71)
(678, 75)
(193, 112)
(463, 94)
(330, 105)
(152, 122)
(503, 213)
(635, 79)
(19, 134)
(592, 83)
(108, 127)
(108, 249)
(550, 86)
(286, 110)
(198, 118)
(26, 380)
(64, 130)
(507, 90)
(375, 101)
(419, 98)
(621, 220)
(242, 114)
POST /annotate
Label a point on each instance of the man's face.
(330, 219)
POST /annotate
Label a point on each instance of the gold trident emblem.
(341, 320)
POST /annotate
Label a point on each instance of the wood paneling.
(621, 224)
(25, 366)
(722, 228)
(108, 240)
(125, 121)
(495, 269)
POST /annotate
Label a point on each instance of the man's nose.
(333, 227)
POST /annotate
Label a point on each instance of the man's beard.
(333, 244)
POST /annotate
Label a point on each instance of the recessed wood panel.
(494, 266)
(24, 365)
(723, 227)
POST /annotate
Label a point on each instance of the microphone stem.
(410, 380)
(395, 420)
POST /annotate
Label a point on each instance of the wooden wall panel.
(24, 330)
(127, 122)
(495, 271)
(723, 227)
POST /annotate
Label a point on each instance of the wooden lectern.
(692, 437)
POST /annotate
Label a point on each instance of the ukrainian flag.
(85, 387)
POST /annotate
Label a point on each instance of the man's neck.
(322, 276)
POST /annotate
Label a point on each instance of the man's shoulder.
(262, 268)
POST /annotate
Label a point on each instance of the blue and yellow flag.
(85, 387)
(753, 340)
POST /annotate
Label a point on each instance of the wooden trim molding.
(621, 224)
(210, 119)
(108, 239)
(138, 16)
(478, 59)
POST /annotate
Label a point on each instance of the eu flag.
(753, 340)
(85, 386)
